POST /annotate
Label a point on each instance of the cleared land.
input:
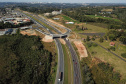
(81, 49)
(28, 32)
(47, 39)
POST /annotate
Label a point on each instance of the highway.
(76, 65)
(60, 67)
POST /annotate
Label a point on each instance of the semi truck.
(60, 76)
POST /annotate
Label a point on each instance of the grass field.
(68, 73)
(93, 16)
(119, 48)
(91, 29)
(66, 18)
(105, 56)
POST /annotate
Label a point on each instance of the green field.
(93, 16)
(106, 56)
(91, 29)
(69, 19)
(119, 48)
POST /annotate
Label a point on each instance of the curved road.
(60, 67)
(76, 65)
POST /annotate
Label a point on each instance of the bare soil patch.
(81, 49)
(47, 39)
(28, 32)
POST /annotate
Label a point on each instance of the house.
(69, 22)
(56, 12)
(26, 27)
(56, 18)
(47, 14)
(112, 44)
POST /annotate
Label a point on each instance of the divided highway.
(60, 67)
(76, 65)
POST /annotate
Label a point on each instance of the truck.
(60, 76)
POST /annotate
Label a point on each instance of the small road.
(91, 34)
(111, 52)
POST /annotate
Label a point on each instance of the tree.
(101, 39)
(112, 48)
(112, 37)
(18, 31)
(123, 39)
(88, 38)
(123, 55)
(105, 37)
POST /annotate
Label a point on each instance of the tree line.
(23, 60)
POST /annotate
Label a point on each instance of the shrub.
(93, 39)
(93, 52)
(88, 38)
(123, 55)
(95, 45)
(89, 44)
(101, 39)
(112, 48)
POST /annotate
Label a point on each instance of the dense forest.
(38, 9)
(23, 60)
(81, 13)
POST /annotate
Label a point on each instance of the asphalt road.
(60, 62)
(60, 67)
(76, 65)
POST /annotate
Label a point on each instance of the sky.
(69, 1)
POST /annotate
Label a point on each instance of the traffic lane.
(75, 64)
(61, 63)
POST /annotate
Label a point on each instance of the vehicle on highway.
(60, 76)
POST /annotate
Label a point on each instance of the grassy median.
(68, 66)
